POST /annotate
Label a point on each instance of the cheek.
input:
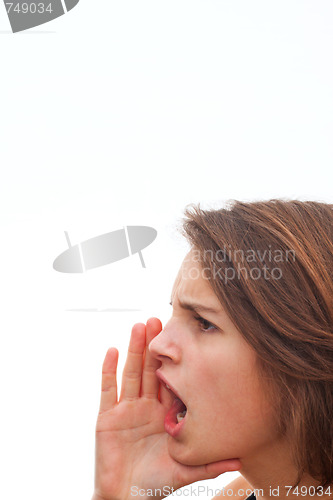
(230, 415)
(233, 400)
(232, 419)
(228, 376)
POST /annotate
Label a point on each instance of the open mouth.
(175, 418)
(177, 411)
(181, 415)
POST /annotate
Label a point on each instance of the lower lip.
(171, 425)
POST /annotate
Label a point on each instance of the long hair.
(270, 264)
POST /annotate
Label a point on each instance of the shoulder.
(240, 487)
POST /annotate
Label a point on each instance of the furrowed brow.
(192, 306)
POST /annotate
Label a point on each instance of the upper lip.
(165, 382)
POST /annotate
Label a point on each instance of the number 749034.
(29, 8)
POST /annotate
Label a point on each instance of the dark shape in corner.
(25, 14)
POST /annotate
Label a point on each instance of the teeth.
(167, 386)
(180, 416)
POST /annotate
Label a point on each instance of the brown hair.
(284, 313)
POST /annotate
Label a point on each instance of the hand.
(131, 443)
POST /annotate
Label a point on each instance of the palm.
(131, 439)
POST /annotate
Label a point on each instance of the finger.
(131, 379)
(109, 380)
(150, 383)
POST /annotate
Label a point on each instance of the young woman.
(241, 376)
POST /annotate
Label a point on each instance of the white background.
(122, 113)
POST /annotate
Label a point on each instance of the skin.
(131, 446)
(229, 424)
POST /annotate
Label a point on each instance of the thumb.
(214, 469)
(193, 473)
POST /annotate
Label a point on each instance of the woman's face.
(212, 368)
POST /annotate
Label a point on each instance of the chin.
(186, 455)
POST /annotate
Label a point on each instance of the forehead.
(191, 282)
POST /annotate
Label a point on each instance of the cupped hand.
(131, 451)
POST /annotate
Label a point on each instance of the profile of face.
(212, 368)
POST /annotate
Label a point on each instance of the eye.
(205, 326)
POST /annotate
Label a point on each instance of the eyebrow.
(192, 306)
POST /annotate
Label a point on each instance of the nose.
(164, 346)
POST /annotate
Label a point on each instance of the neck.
(272, 475)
